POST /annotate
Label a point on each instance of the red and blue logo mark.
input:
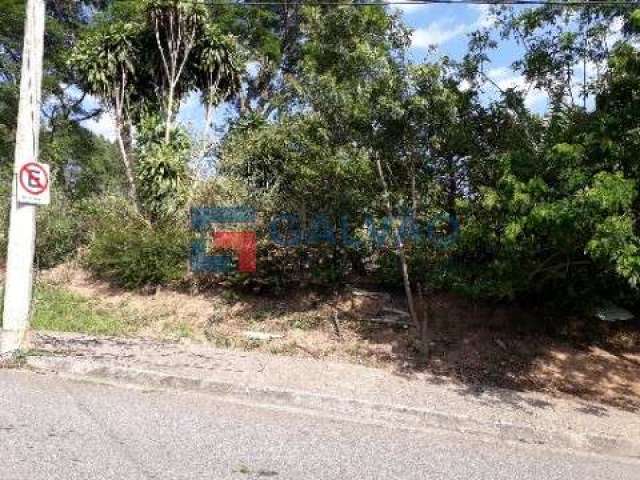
(227, 237)
(228, 233)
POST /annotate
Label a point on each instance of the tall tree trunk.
(414, 194)
(452, 186)
(128, 169)
(119, 97)
(415, 318)
(167, 125)
(127, 139)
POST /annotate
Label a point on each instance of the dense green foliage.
(60, 232)
(333, 120)
(82, 164)
(548, 207)
(129, 251)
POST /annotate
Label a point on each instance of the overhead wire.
(365, 3)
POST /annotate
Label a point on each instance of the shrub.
(161, 169)
(5, 207)
(59, 232)
(130, 252)
(280, 267)
(220, 191)
(162, 180)
(58, 226)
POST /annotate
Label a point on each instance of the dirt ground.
(476, 345)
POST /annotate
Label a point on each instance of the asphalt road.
(52, 428)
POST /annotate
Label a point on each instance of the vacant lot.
(477, 345)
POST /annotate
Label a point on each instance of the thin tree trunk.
(127, 138)
(399, 250)
(131, 187)
(167, 127)
(414, 195)
(207, 128)
(120, 99)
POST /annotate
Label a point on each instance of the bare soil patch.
(474, 344)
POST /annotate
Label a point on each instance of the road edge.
(353, 407)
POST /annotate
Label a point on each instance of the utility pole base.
(11, 341)
(18, 282)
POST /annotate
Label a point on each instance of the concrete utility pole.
(22, 226)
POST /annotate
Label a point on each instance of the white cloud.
(536, 99)
(464, 85)
(485, 19)
(436, 33)
(102, 125)
(505, 78)
(441, 31)
(408, 8)
(253, 68)
(615, 33)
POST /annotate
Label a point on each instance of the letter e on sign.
(33, 184)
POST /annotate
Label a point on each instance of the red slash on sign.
(33, 178)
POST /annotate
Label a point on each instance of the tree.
(118, 61)
(177, 27)
(555, 218)
(104, 59)
(566, 48)
(273, 38)
(66, 19)
(350, 89)
(82, 163)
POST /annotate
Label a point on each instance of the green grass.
(60, 310)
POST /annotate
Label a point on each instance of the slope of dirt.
(476, 345)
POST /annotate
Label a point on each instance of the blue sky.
(445, 26)
(448, 28)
